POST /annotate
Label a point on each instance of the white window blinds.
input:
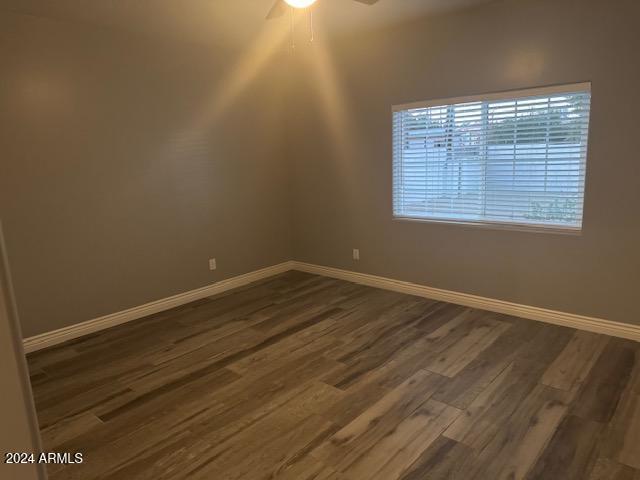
(513, 158)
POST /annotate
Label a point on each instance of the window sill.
(571, 231)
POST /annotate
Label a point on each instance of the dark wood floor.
(302, 377)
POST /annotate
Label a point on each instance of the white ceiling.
(234, 21)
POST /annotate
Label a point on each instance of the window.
(516, 158)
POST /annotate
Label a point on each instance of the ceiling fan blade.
(279, 8)
(367, 2)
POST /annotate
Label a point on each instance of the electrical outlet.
(212, 264)
(356, 254)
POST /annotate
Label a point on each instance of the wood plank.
(575, 362)
(275, 456)
(399, 449)
(353, 402)
(603, 387)
(492, 410)
(307, 468)
(623, 433)
(606, 469)
(572, 451)
(445, 459)
(67, 429)
(350, 442)
(514, 449)
(371, 357)
(475, 377)
(455, 358)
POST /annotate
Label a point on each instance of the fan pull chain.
(291, 22)
(311, 32)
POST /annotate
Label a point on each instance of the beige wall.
(19, 431)
(121, 172)
(343, 187)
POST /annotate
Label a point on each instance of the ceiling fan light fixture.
(300, 3)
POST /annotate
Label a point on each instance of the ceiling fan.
(280, 6)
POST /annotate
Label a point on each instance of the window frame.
(495, 96)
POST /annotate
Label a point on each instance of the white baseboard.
(55, 337)
(580, 322)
